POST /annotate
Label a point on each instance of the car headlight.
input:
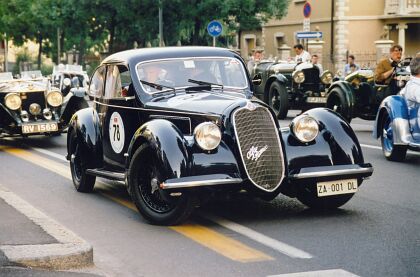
(298, 76)
(12, 101)
(54, 98)
(326, 77)
(207, 135)
(305, 128)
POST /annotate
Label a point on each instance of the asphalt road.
(375, 234)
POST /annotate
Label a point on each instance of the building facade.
(357, 27)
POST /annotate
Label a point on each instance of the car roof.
(134, 56)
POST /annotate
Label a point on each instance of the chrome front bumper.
(363, 170)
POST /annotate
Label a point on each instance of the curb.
(70, 252)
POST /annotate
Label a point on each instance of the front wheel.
(392, 152)
(278, 99)
(157, 206)
(308, 196)
(78, 164)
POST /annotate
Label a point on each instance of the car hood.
(198, 102)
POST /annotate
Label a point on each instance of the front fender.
(348, 94)
(86, 124)
(336, 144)
(168, 142)
(396, 108)
(275, 77)
(71, 105)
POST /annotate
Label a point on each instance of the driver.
(386, 67)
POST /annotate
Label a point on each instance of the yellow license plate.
(336, 187)
(40, 128)
(316, 100)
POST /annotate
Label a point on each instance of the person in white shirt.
(411, 91)
(302, 56)
(255, 59)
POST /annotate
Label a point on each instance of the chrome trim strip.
(278, 140)
(200, 183)
(329, 173)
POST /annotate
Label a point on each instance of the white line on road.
(380, 148)
(50, 153)
(258, 237)
(319, 273)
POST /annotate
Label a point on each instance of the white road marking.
(380, 148)
(50, 153)
(319, 273)
(258, 237)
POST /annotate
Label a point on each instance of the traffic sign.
(214, 28)
(307, 10)
(306, 24)
(306, 35)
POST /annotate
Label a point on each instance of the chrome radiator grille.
(260, 148)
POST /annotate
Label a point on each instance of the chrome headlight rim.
(298, 76)
(327, 77)
(54, 98)
(10, 105)
(305, 128)
(207, 135)
(35, 109)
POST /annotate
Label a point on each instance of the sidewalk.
(31, 242)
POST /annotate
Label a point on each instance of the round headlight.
(35, 109)
(305, 128)
(298, 76)
(207, 135)
(12, 101)
(67, 82)
(54, 98)
(326, 77)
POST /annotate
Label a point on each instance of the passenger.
(411, 91)
(254, 60)
(385, 68)
(314, 61)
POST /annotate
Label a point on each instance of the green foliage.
(21, 57)
(110, 26)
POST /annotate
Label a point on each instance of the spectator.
(385, 68)
(349, 65)
(314, 61)
(302, 56)
(255, 59)
(411, 91)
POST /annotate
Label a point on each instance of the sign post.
(215, 29)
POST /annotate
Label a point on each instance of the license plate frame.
(313, 99)
(336, 187)
(45, 127)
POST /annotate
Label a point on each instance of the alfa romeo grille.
(259, 145)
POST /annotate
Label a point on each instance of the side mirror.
(257, 80)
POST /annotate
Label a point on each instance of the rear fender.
(86, 124)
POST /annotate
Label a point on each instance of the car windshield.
(178, 73)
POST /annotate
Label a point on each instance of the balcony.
(402, 7)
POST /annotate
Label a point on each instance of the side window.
(117, 81)
(96, 87)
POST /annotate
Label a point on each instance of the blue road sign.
(214, 28)
(305, 35)
(307, 10)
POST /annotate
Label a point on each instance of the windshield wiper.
(157, 86)
(198, 82)
(162, 94)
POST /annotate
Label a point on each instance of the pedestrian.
(314, 61)
(350, 66)
(302, 56)
(255, 59)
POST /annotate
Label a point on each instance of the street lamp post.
(160, 24)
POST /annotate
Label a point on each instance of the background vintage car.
(398, 127)
(283, 86)
(177, 139)
(69, 76)
(359, 96)
(30, 106)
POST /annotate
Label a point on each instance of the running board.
(106, 174)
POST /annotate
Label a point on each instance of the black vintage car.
(283, 86)
(358, 95)
(179, 125)
(30, 106)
